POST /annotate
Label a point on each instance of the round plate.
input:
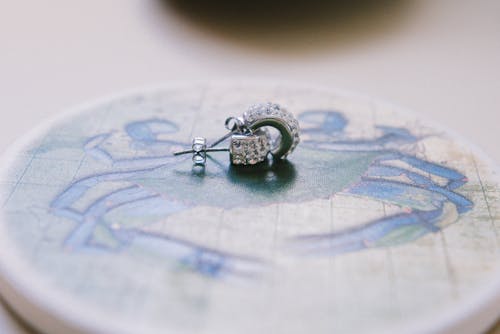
(378, 222)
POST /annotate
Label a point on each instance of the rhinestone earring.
(250, 141)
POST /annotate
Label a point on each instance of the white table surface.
(439, 58)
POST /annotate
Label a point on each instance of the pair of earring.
(250, 140)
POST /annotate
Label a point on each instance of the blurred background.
(440, 58)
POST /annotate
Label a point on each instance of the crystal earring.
(250, 141)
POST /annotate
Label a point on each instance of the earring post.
(206, 150)
(220, 140)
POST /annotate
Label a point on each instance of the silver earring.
(250, 141)
(262, 115)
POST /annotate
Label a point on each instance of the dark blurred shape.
(283, 25)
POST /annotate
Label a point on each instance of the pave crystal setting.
(249, 149)
(271, 114)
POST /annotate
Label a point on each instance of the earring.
(250, 141)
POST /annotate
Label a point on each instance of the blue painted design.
(149, 131)
(428, 203)
(326, 163)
